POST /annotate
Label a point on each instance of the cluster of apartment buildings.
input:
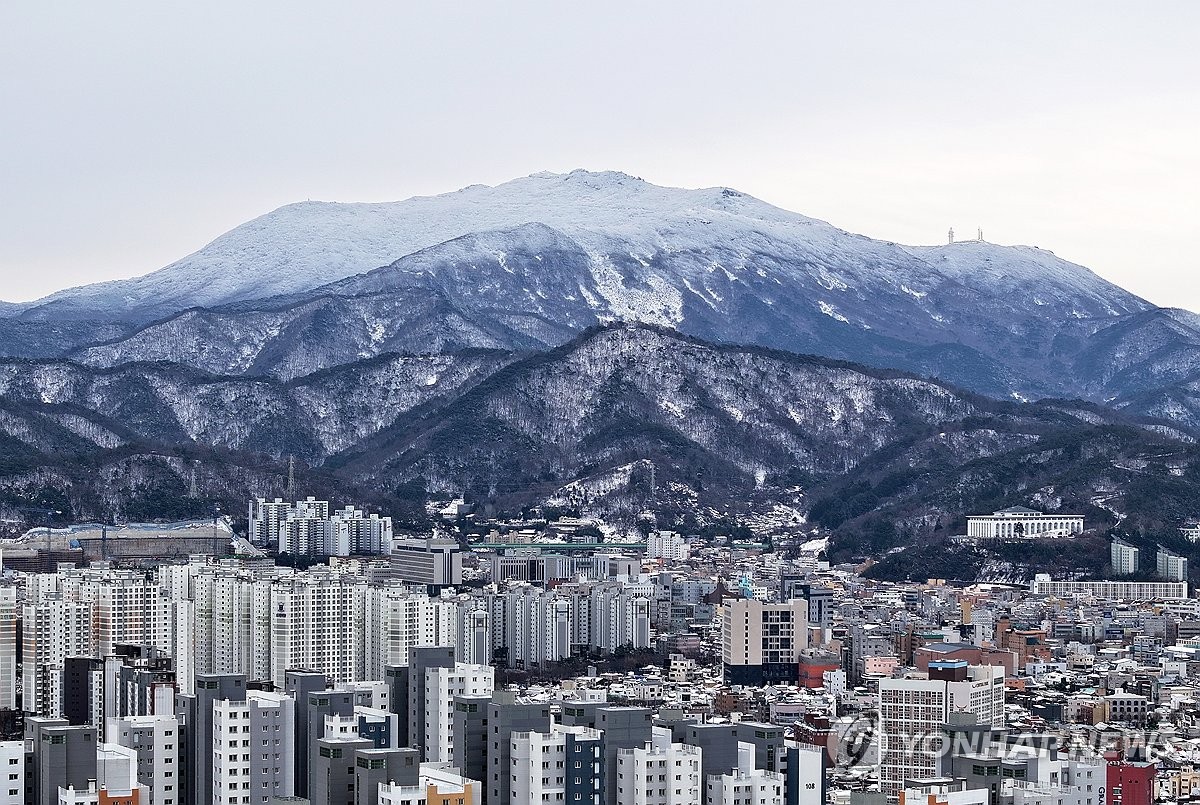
(434, 675)
(1126, 561)
(308, 528)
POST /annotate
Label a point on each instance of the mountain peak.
(585, 175)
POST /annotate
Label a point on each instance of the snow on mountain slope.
(1038, 276)
(302, 246)
(529, 263)
(311, 418)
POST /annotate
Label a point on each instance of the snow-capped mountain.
(305, 245)
(619, 221)
(529, 263)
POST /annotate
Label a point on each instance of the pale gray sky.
(133, 133)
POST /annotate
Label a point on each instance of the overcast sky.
(134, 133)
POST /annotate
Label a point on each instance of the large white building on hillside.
(1017, 522)
(1123, 557)
(1171, 566)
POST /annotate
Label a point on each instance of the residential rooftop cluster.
(547, 660)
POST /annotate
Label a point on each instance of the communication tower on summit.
(951, 235)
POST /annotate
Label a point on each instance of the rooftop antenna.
(951, 235)
(291, 481)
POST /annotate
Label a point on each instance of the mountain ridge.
(625, 416)
(528, 264)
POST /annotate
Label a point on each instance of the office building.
(433, 562)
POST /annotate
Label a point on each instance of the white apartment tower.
(253, 749)
(155, 740)
(265, 517)
(397, 619)
(537, 626)
(12, 764)
(307, 527)
(746, 785)
(547, 766)
(8, 647)
(441, 686)
(353, 531)
(660, 773)
(667, 545)
(316, 621)
(52, 630)
(619, 616)
(1171, 566)
(912, 708)
(231, 612)
(1123, 557)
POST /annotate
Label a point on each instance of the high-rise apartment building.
(10, 612)
(308, 528)
(913, 709)
(252, 749)
(53, 629)
(155, 741)
(442, 684)
(761, 643)
(1123, 557)
(1171, 566)
(563, 764)
(745, 784)
(659, 773)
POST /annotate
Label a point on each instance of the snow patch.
(831, 311)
